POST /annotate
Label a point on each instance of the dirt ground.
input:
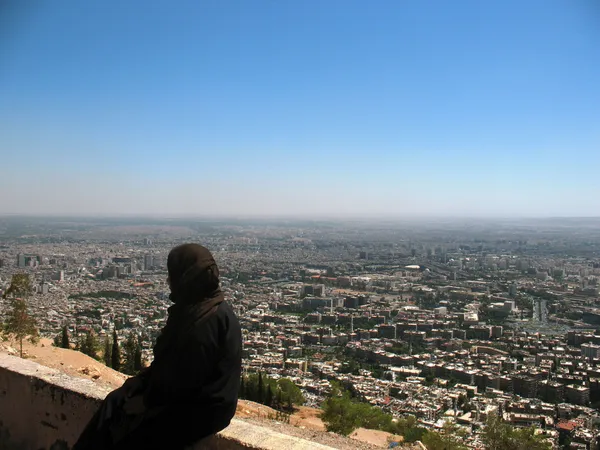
(374, 437)
(308, 418)
(68, 361)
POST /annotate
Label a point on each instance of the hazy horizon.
(290, 217)
(307, 109)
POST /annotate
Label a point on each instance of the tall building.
(525, 386)
(387, 331)
(43, 288)
(21, 262)
(590, 350)
(578, 395)
(148, 262)
(319, 290)
(307, 289)
(551, 391)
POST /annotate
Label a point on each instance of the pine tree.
(250, 388)
(260, 390)
(19, 323)
(20, 286)
(129, 355)
(279, 399)
(242, 392)
(107, 352)
(115, 357)
(64, 340)
(89, 345)
(137, 360)
(269, 396)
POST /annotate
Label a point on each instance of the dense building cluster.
(446, 324)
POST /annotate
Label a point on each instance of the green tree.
(279, 399)
(291, 391)
(20, 286)
(242, 391)
(19, 323)
(107, 351)
(138, 363)
(250, 389)
(115, 355)
(339, 413)
(413, 434)
(498, 435)
(129, 350)
(260, 389)
(441, 441)
(269, 396)
(342, 414)
(64, 339)
(89, 345)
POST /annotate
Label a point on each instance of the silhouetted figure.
(190, 390)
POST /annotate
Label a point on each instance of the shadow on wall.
(7, 444)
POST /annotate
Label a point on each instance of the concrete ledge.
(246, 435)
(42, 408)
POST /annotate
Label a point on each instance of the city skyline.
(343, 110)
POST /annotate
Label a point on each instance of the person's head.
(193, 272)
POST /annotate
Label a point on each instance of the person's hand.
(134, 405)
(133, 386)
(116, 398)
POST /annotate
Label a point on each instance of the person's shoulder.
(226, 317)
(225, 312)
(224, 308)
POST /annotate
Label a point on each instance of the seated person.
(190, 390)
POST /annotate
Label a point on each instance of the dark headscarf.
(194, 281)
(193, 273)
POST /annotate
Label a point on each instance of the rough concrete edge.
(80, 386)
(245, 434)
(255, 436)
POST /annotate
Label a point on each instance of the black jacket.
(193, 382)
(190, 390)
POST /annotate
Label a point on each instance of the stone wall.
(43, 409)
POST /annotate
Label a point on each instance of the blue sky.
(393, 108)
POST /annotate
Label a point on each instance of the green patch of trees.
(115, 354)
(132, 352)
(125, 357)
(88, 345)
(343, 414)
(102, 294)
(450, 438)
(282, 394)
(64, 338)
(498, 435)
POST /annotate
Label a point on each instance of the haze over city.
(337, 109)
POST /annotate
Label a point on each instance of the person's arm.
(191, 368)
(136, 384)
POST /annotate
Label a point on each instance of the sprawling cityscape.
(447, 321)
